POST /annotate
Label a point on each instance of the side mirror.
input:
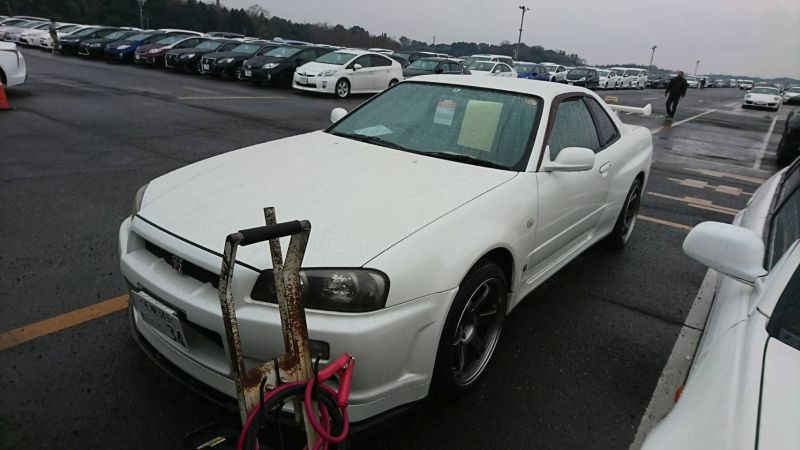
(357, 67)
(728, 249)
(337, 114)
(571, 159)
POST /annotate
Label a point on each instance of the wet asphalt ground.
(576, 365)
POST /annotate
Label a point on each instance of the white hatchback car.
(436, 207)
(493, 69)
(763, 97)
(743, 390)
(348, 71)
(558, 73)
(13, 70)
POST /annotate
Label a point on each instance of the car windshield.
(551, 67)
(116, 35)
(249, 49)
(139, 37)
(84, 32)
(794, 89)
(282, 52)
(482, 66)
(764, 90)
(475, 126)
(524, 67)
(424, 64)
(402, 55)
(336, 58)
(579, 72)
(472, 59)
(32, 25)
(170, 40)
(209, 45)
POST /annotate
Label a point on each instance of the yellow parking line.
(679, 226)
(30, 332)
(611, 99)
(695, 202)
(233, 98)
(716, 174)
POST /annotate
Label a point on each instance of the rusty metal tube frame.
(295, 364)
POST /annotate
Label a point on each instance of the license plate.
(160, 317)
(206, 67)
(303, 80)
(248, 73)
(138, 57)
(760, 103)
(570, 83)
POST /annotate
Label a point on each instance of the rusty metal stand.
(295, 364)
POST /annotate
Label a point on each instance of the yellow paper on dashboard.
(479, 126)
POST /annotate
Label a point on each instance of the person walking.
(676, 89)
(53, 35)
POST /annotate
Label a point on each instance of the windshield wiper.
(465, 159)
(371, 140)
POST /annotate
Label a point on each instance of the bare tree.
(256, 10)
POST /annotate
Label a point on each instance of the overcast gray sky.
(742, 37)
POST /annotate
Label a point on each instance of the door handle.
(605, 168)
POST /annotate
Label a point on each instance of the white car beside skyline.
(742, 392)
(490, 68)
(436, 206)
(13, 70)
(763, 97)
(348, 71)
(558, 72)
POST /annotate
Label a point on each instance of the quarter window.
(572, 127)
(784, 228)
(365, 61)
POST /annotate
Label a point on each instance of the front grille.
(210, 61)
(185, 267)
(170, 60)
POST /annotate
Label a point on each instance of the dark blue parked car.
(532, 71)
(124, 50)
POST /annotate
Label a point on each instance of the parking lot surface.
(576, 365)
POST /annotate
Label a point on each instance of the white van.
(638, 78)
(492, 58)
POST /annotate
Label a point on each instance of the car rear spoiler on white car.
(646, 111)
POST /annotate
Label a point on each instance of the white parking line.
(680, 359)
(681, 122)
(730, 105)
(765, 144)
(650, 98)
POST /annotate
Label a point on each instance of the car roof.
(520, 85)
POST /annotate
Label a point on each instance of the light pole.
(696, 65)
(652, 55)
(141, 12)
(519, 40)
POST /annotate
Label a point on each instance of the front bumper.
(325, 85)
(395, 347)
(257, 74)
(148, 59)
(119, 55)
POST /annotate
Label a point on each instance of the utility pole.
(652, 55)
(141, 11)
(696, 65)
(217, 4)
(434, 40)
(519, 40)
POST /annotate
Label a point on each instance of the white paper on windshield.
(376, 130)
(445, 111)
(480, 124)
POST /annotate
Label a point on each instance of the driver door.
(571, 204)
(361, 79)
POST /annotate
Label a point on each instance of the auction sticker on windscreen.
(445, 111)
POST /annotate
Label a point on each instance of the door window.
(305, 56)
(504, 68)
(607, 132)
(365, 62)
(784, 325)
(379, 61)
(784, 227)
(572, 127)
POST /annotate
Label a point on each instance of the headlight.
(155, 50)
(327, 73)
(122, 47)
(777, 98)
(187, 55)
(269, 66)
(345, 290)
(137, 200)
(747, 96)
(225, 60)
(96, 44)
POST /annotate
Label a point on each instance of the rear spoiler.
(646, 111)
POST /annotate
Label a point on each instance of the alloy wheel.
(631, 210)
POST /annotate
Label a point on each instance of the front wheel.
(238, 73)
(471, 330)
(342, 88)
(626, 220)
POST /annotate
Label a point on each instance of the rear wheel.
(626, 220)
(392, 83)
(471, 330)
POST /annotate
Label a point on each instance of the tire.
(471, 330)
(626, 220)
(238, 73)
(393, 82)
(342, 88)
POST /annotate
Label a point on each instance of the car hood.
(118, 43)
(361, 199)
(313, 68)
(261, 60)
(181, 51)
(96, 41)
(145, 48)
(763, 97)
(220, 55)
